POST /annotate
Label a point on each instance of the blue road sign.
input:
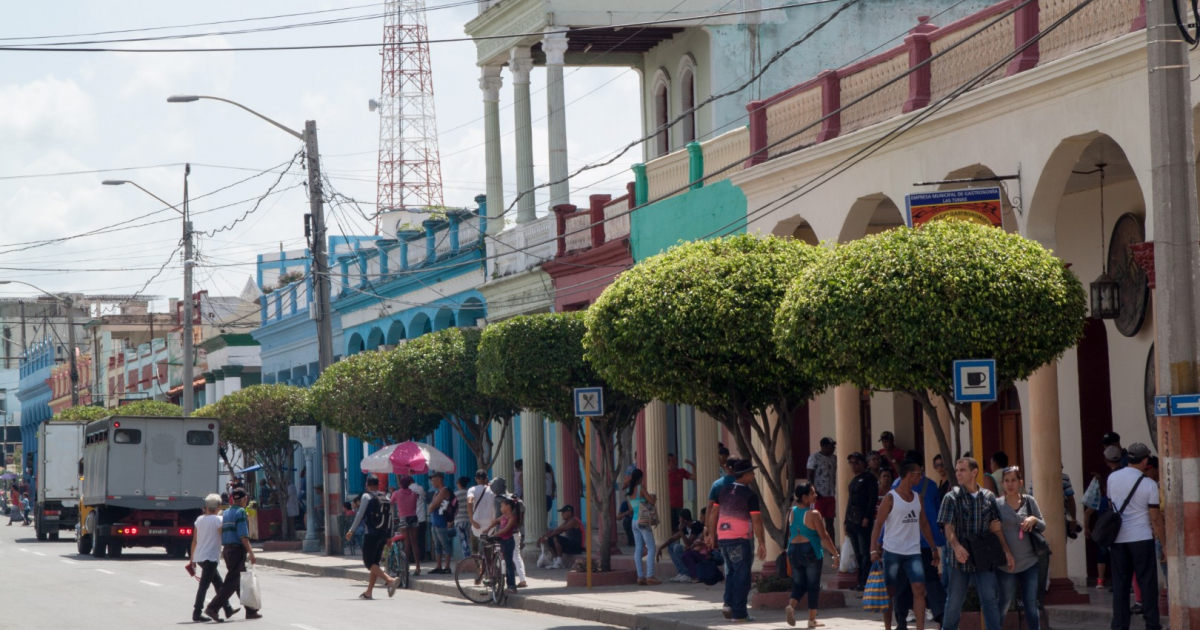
(1162, 406)
(1185, 405)
(975, 380)
(589, 401)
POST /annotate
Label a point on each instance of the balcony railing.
(604, 220)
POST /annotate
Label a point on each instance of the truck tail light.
(50, 512)
(185, 531)
(128, 531)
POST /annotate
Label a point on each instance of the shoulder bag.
(984, 548)
(1040, 546)
(647, 513)
(1108, 524)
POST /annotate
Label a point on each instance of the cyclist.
(378, 518)
(505, 526)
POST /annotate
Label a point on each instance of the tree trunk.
(926, 401)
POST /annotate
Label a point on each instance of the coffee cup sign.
(975, 380)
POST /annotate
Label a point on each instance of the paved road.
(47, 585)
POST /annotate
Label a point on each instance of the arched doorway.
(374, 339)
(395, 333)
(1095, 408)
(355, 345)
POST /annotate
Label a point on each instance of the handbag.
(1036, 539)
(984, 548)
(251, 595)
(647, 514)
(1108, 524)
(875, 595)
(849, 563)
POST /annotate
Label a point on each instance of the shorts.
(372, 549)
(570, 546)
(826, 507)
(894, 563)
(441, 540)
(408, 521)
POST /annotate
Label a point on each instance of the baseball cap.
(827, 442)
(855, 456)
(1112, 437)
(1113, 453)
(886, 435)
(1138, 451)
(567, 508)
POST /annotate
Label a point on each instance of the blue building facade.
(34, 395)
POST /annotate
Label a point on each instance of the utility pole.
(70, 304)
(324, 316)
(23, 346)
(1176, 234)
(189, 401)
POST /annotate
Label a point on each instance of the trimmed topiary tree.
(437, 375)
(694, 326)
(256, 420)
(152, 408)
(537, 361)
(83, 415)
(893, 311)
(359, 396)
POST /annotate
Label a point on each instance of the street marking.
(23, 550)
(106, 572)
(65, 561)
(38, 553)
(150, 583)
(302, 626)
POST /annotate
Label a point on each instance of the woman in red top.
(405, 502)
(505, 526)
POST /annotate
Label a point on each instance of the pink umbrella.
(415, 458)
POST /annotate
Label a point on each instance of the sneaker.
(1099, 584)
(790, 613)
(746, 619)
(1136, 608)
(681, 578)
(912, 617)
(928, 615)
(557, 564)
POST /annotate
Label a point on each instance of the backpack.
(449, 509)
(378, 518)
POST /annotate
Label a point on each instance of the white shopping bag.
(848, 564)
(251, 595)
(545, 559)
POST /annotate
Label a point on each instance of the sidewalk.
(664, 607)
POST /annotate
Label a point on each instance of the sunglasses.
(939, 466)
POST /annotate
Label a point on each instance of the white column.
(555, 47)
(657, 482)
(521, 64)
(210, 389)
(848, 436)
(707, 469)
(490, 82)
(533, 454)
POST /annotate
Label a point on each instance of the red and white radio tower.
(410, 168)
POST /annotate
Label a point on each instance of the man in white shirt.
(206, 552)
(481, 504)
(1133, 553)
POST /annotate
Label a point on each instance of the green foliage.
(537, 361)
(359, 396)
(770, 583)
(694, 325)
(82, 415)
(256, 419)
(152, 408)
(437, 375)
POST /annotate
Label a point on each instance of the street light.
(189, 401)
(321, 306)
(66, 301)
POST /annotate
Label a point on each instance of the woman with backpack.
(1022, 524)
(645, 517)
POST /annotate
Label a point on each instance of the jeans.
(508, 546)
(806, 579)
(441, 542)
(690, 559)
(208, 576)
(985, 587)
(464, 537)
(1130, 559)
(643, 542)
(935, 593)
(739, 557)
(676, 550)
(860, 539)
(1027, 582)
(895, 564)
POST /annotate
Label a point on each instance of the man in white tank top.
(902, 523)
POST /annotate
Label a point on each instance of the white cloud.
(45, 108)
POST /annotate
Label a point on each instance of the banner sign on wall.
(977, 205)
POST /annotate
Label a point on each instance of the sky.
(65, 112)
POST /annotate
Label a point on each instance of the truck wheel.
(53, 535)
(41, 533)
(84, 544)
(99, 546)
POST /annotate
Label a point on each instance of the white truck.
(60, 451)
(144, 482)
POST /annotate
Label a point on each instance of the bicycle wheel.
(392, 559)
(405, 582)
(499, 584)
(471, 580)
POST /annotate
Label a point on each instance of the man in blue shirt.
(235, 540)
(935, 594)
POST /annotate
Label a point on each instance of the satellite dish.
(372, 104)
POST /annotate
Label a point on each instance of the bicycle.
(395, 561)
(480, 577)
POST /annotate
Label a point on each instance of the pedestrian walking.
(235, 541)
(376, 514)
(442, 508)
(902, 523)
(822, 474)
(686, 532)
(206, 552)
(504, 526)
(1021, 520)
(738, 514)
(935, 592)
(1135, 496)
(462, 520)
(675, 478)
(643, 532)
(807, 541)
(26, 507)
(967, 513)
(860, 515)
(406, 500)
(17, 510)
(566, 539)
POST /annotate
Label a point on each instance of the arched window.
(687, 99)
(662, 113)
